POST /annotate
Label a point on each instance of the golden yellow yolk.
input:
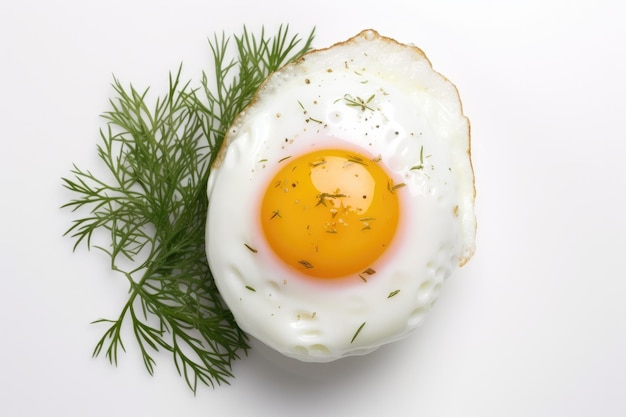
(330, 213)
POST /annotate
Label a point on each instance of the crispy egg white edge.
(302, 331)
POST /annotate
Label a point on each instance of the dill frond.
(153, 203)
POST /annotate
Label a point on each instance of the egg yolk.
(330, 213)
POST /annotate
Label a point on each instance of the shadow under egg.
(339, 372)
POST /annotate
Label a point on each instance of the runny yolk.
(330, 213)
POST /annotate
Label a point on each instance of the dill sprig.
(260, 56)
(152, 207)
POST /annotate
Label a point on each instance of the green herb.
(305, 264)
(366, 223)
(250, 288)
(421, 164)
(392, 188)
(304, 111)
(357, 101)
(357, 332)
(392, 293)
(250, 248)
(152, 206)
(363, 275)
(323, 196)
(355, 159)
(317, 163)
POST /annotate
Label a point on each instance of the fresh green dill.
(353, 159)
(152, 205)
(318, 163)
(393, 293)
(366, 223)
(323, 196)
(357, 102)
(357, 332)
(421, 164)
(391, 187)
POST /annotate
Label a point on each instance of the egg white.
(381, 98)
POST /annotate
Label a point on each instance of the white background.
(534, 325)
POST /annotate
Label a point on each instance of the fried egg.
(341, 199)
